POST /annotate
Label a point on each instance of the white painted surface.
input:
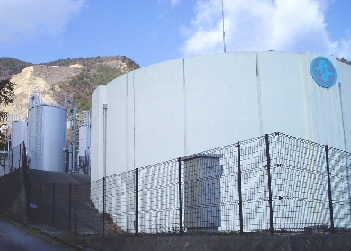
(184, 106)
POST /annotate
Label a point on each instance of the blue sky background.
(153, 31)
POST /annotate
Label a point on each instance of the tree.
(6, 95)
(344, 61)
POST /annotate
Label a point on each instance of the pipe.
(74, 139)
(342, 116)
(105, 106)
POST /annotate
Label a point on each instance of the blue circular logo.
(323, 72)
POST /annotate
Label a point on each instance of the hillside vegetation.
(11, 66)
(94, 72)
(74, 77)
(344, 61)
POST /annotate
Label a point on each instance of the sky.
(153, 31)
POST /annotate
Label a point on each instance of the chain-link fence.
(12, 159)
(14, 182)
(65, 206)
(265, 184)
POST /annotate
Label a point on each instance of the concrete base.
(224, 243)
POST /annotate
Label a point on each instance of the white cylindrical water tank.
(47, 137)
(19, 133)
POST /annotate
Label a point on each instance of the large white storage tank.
(47, 136)
(19, 133)
(185, 106)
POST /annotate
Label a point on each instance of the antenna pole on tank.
(224, 46)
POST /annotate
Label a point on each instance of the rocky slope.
(74, 78)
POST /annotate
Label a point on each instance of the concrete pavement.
(12, 238)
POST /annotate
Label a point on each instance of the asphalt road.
(14, 239)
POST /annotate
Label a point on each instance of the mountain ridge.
(75, 78)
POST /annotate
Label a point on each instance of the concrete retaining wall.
(12, 195)
(224, 243)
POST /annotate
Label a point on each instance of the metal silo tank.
(19, 133)
(47, 137)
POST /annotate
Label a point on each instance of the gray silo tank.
(47, 136)
(19, 133)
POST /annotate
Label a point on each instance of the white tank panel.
(19, 133)
(47, 138)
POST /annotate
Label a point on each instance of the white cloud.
(282, 25)
(172, 2)
(26, 19)
(175, 2)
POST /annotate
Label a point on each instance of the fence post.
(103, 205)
(27, 183)
(136, 202)
(4, 158)
(240, 194)
(53, 205)
(270, 200)
(20, 157)
(332, 230)
(69, 206)
(12, 159)
(75, 211)
(180, 196)
(40, 210)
